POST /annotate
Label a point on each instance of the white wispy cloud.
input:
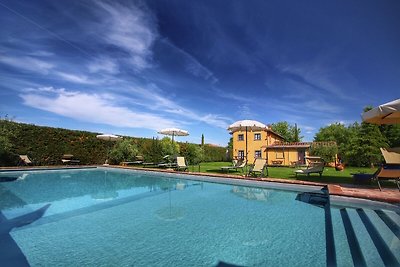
(233, 96)
(323, 76)
(93, 108)
(154, 99)
(103, 64)
(112, 109)
(75, 78)
(41, 53)
(27, 63)
(129, 28)
(192, 65)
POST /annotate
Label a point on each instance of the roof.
(299, 144)
(258, 130)
(289, 145)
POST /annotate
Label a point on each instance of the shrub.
(327, 153)
(193, 153)
(124, 150)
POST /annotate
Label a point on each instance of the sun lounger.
(181, 164)
(139, 160)
(69, 159)
(25, 160)
(390, 170)
(315, 168)
(259, 168)
(236, 164)
(388, 173)
(391, 155)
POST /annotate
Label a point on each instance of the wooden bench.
(277, 162)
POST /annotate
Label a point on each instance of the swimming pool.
(110, 217)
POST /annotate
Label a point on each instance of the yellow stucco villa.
(267, 144)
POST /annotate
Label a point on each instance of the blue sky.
(135, 67)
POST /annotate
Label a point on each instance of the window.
(280, 155)
(257, 136)
(241, 154)
(257, 154)
(240, 137)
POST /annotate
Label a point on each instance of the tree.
(168, 147)
(358, 145)
(392, 134)
(202, 139)
(193, 153)
(296, 133)
(124, 150)
(327, 153)
(339, 133)
(335, 132)
(289, 132)
(152, 151)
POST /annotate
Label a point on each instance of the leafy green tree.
(327, 153)
(168, 147)
(296, 133)
(124, 150)
(289, 132)
(229, 157)
(363, 148)
(339, 133)
(392, 134)
(202, 139)
(335, 132)
(193, 153)
(152, 151)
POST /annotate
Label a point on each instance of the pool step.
(321, 199)
(367, 244)
(364, 237)
(355, 249)
(395, 228)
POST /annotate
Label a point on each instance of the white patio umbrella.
(108, 137)
(247, 125)
(173, 132)
(388, 113)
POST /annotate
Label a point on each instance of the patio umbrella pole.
(246, 144)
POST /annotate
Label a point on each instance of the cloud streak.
(27, 63)
(130, 29)
(113, 109)
(94, 108)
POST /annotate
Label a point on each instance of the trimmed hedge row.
(47, 145)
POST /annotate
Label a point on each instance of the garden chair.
(391, 155)
(315, 168)
(390, 170)
(138, 160)
(236, 164)
(258, 168)
(25, 160)
(181, 164)
(69, 159)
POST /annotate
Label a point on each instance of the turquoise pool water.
(104, 217)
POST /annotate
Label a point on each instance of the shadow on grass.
(219, 171)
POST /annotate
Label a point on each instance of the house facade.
(269, 145)
(256, 141)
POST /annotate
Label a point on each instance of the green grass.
(330, 175)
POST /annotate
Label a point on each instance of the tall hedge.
(46, 145)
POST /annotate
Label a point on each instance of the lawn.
(330, 175)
